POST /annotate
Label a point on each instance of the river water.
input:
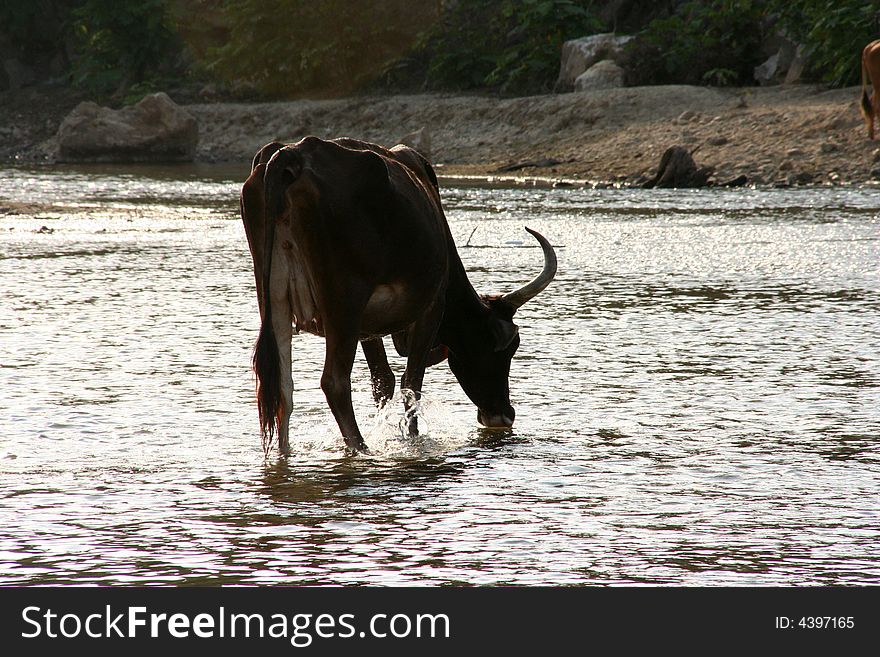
(697, 396)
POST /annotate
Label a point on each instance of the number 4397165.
(816, 622)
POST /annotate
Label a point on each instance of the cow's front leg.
(421, 340)
(336, 384)
(381, 375)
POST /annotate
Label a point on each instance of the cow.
(870, 105)
(349, 242)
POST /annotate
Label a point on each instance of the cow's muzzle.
(496, 420)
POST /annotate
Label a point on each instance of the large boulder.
(578, 55)
(798, 65)
(602, 75)
(785, 63)
(154, 130)
(677, 169)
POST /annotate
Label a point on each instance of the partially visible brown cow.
(870, 106)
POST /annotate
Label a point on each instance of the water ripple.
(696, 394)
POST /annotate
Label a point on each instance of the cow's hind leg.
(283, 330)
(336, 384)
(380, 372)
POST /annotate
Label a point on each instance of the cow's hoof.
(355, 446)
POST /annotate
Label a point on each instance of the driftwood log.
(678, 169)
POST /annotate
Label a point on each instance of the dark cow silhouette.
(349, 242)
(870, 105)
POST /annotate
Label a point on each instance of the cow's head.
(483, 368)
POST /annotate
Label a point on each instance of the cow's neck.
(465, 317)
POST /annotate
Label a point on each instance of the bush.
(716, 42)
(33, 32)
(513, 45)
(834, 31)
(286, 48)
(33, 27)
(124, 44)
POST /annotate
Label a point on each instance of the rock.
(601, 75)
(686, 116)
(801, 178)
(786, 165)
(678, 169)
(875, 156)
(154, 130)
(578, 55)
(739, 181)
(419, 140)
(720, 140)
(785, 66)
(828, 147)
(794, 152)
(775, 69)
(542, 163)
(797, 66)
(768, 72)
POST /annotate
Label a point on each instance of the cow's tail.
(867, 110)
(283, 168)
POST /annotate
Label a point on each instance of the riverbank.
(801, 134)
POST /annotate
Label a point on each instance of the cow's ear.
(503, 333)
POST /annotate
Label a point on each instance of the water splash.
(439, 430)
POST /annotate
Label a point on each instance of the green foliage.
(121, 43)
(32, 26)
(513, 45)
(834, 31)
(285, 48)
(720, 77)
(718, 41)
(714, 42)
(33, 33)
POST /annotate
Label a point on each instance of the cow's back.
(346, 217)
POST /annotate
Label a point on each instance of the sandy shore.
(802, 134)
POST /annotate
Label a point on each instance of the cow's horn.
(530, 290)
